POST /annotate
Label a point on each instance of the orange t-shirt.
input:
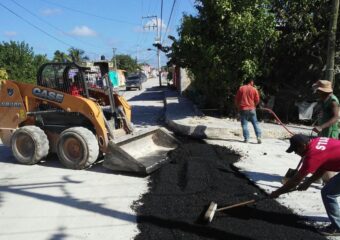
(247, 97)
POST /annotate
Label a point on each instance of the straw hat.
(323, 86)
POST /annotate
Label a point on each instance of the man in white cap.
(318, 156)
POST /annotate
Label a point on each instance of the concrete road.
(47, 201)
(147, 104)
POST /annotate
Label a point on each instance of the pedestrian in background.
(327, 122)
(246, 99)
(318, 156)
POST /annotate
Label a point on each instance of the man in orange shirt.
(246, 99)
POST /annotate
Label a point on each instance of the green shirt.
(327, 113)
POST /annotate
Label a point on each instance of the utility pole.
(158, 40)
(114, 58)
(137, 55)
(332, 41)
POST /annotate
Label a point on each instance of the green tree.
(3, 74)
(61, 57)
(223, 45)
(40, 60)
(17, 58)
(77, 55)
(126, 62)
(300, 55)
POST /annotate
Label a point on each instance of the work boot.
(330, 230)
(259, 141)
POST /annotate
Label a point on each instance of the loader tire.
(77, 148)
(29, 145)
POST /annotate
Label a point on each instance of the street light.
(159, 65)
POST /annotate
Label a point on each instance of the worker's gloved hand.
(274, 195)
(317, 129)
(303, 187)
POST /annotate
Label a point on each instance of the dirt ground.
(198, 174)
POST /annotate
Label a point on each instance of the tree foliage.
(126, 62)
(61, 57)
(19, 61)
(282, 44)
(223, 45)
(77, 55)
(300, 56)
(3, 74)
(74, 55)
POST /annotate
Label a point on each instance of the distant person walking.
(318, 156)
(246, 99)
(327, 122)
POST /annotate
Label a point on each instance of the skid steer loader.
(56, 117)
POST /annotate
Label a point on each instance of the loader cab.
(64, 77)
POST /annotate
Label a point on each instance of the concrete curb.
(183, 118)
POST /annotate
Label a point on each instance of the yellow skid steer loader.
(36, 120)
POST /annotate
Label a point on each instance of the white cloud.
(83, 31)
(10, 33)
(51, 11)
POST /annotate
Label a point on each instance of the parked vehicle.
(135, 80)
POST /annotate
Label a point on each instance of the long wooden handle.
(237, 205)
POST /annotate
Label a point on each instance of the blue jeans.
(249, 115)
(329, 194)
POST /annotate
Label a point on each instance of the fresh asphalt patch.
(198, 173)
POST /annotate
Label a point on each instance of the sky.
(95, 26)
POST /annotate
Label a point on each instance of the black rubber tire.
(77, 148)
(29, 145)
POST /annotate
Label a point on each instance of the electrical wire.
(51, 25)
(36, 27)
(167, 25)
(43, 31)
(89, 14)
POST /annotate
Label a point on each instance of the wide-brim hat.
(323, 86)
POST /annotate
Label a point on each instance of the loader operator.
(318, 155)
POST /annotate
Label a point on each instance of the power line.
(161, 24)
(89, 14)
(167, 25)
(56, 28)
(36, 27)
(41, 30)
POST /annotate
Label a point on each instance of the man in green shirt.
(327, 124)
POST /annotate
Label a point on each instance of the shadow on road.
(67, 199)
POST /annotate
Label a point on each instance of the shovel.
(290, 173)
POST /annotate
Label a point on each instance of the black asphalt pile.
(181, 191)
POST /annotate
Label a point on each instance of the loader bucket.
(141, 153)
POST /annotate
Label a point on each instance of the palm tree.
(60, 57)
(77, 55)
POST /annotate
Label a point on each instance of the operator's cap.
(296, 141)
